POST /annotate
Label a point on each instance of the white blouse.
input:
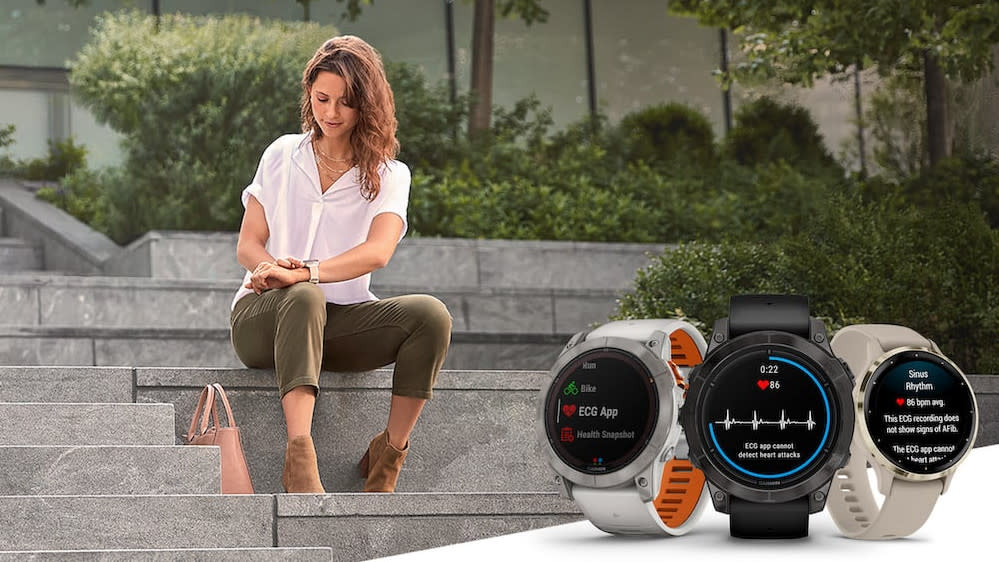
(306, 223)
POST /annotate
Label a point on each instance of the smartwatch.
(313, 266)
(917, 419)
(609, 426)
(768, 416)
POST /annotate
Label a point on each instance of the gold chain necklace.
(315, 145)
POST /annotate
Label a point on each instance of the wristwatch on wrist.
(768, 416)
(916, 418)
(609, 426)
(313, 266)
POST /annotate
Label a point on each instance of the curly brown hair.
(373, 138)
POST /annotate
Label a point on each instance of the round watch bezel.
(666, 429)
(860, 397)
(840, 382)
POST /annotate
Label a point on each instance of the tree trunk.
(937, 137)
(482, 66)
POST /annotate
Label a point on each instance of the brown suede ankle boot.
(381, 464)
(301, 470)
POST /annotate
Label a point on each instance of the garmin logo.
(589, 365)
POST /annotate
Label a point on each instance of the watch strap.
(851, 503)
(754, 520)
(754, 313)
(622, 511)
(855, 511)
(681, 494)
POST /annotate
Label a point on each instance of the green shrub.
(64, 157)
(197, 99)
(768, 131)
(661, 134)
(81, 194)
(857, 262)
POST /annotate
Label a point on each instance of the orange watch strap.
(682, 484)
(683, 350)
(680, 490)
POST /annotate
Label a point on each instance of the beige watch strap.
(851, 500)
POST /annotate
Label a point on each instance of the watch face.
(768, 416)
(601, 410)
(920, 412)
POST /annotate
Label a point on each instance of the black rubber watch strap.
(752, 313)
(750, 520)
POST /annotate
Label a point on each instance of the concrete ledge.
(67, 244)
(362, 526)
(19, 255)
(418, 262)
(305, 554)
(407, 504)
(136, 470)
(475, 435)
(58, 300)
(55, 424)
(178, 347)
(136, 522)
(56, 384)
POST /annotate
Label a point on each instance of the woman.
(325, 209)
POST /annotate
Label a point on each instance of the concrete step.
(58, 424)
(376, 525)
(19, 255)
(305, 554)
(115, 302)
(59, 384)
(355, 526)
(445, 263)
(136, 522)
(109, 470)
(182, 347)
(476, 435)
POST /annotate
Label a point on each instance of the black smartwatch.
(768, 416)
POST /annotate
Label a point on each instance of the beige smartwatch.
(916, 420)
(313, 266)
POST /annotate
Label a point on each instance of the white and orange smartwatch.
(916, 420)
(609, 426)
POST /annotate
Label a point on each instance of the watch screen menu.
(601, 411)
(768, 416)
(920, 412)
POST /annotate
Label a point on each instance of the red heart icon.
(569, 409)
(763, 384)
(900, 401)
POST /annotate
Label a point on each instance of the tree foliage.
(801, 40)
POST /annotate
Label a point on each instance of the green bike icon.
(570, 390)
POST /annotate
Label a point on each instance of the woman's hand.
(270, 275)
(290, 263)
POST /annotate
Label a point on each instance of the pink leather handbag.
(235, 473)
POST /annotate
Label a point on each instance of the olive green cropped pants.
(295, 331)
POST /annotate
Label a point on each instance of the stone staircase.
(91, 464)
(88, 461)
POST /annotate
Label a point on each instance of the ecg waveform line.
(756, 422)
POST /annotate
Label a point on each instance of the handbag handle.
(207, 406)
(207, 395)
